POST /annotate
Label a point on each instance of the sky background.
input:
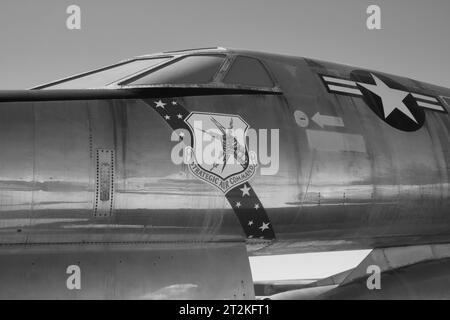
(36, 47)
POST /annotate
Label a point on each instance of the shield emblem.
(219, 153)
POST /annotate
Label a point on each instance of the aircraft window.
(107, 75)
(248, 71)
(188, 70)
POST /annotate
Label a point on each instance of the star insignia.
(257, 206)
(250, 223)
(174, 103)
(391, 98)
(167, 117)
(264, 226)
(179, 116)
(238, 204)
(160, 104)
(245, 190)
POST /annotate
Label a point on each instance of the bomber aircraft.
(157, 177)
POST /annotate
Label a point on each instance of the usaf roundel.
(388, 99)
(219, 153)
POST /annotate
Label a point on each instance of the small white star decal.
(238, 204)
(160, 104)
(257, 206)
(167, 117)
(245, 190)
(181, 134)
(174, 103)
(250, 223)
(264, 226)
(179, 116)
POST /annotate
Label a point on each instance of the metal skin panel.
(163, 271)
(16, 170)
(153, 199)
(396, 192)
(320, 195)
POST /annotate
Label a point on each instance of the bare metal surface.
(127, 272)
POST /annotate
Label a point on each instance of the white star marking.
(250, 223)
(257, 206)
(245, 190)
(392, 98)
(238, 204)
(264, 226)
(167, 117)
(181, 134)
(179, 116)
(160, 104)
(174, 103)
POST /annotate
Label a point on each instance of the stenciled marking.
(330, 121)
(242, 198)
(335, 141)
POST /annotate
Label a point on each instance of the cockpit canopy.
(207, 69)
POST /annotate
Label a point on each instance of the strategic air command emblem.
(219, 154)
